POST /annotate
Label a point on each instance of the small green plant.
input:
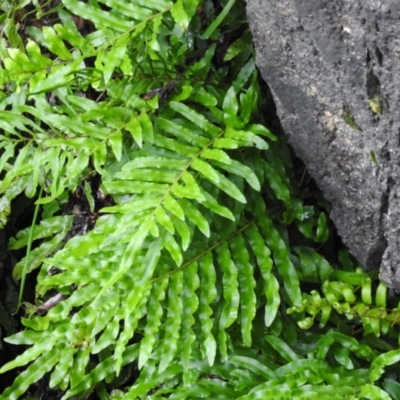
(375, 104)
(373, 158)
(176, 255)
(349, 119)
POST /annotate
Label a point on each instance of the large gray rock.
(333, 67)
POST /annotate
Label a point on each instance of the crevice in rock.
(373, 84)
(398, 137)
(368, 58)
(379, 56)
(375, 255)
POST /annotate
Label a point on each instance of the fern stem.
(28, 251)
(214, 25)
(208, 250)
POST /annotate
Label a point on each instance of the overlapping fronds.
(189, 270)
(351, 294)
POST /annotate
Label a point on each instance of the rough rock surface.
(333, 67)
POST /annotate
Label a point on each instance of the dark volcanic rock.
(334, 69)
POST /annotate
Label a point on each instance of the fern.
(189, 271)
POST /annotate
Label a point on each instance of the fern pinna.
(187, 274)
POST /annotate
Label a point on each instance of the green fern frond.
(191, 275)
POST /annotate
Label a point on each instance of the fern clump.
(183, 269)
